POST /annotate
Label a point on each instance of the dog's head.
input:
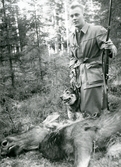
(69, 96)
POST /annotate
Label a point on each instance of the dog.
(72, 100)
(78, 139)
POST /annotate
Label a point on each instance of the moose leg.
(83, 149)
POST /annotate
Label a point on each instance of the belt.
(87, 60)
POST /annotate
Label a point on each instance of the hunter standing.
(87, 43)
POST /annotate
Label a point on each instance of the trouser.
(91, 101)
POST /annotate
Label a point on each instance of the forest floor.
(35, 159)
(33, 110)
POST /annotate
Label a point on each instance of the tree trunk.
(8, 45)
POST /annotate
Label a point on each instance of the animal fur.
(15, 145)
(76, 139)
(79, 137)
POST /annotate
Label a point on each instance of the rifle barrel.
(106, 64)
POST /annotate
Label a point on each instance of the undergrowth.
(29, 104)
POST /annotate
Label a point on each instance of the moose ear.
(51, 118)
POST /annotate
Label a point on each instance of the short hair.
(76, 4)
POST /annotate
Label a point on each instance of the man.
(87, 43)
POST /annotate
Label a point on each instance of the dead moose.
(76, 139)
(15, 145)
(27, 141)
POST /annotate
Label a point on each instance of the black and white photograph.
(60, 83)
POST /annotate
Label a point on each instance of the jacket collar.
(84, 29)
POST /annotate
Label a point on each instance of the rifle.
(105, 66)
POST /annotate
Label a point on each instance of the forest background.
(34, 58)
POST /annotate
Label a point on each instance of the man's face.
(77, 17)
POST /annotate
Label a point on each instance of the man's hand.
(109, 45)
(73, 82)
(113, 50)
(73, 78)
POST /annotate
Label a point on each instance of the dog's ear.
(74, 91)
(78, 91)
